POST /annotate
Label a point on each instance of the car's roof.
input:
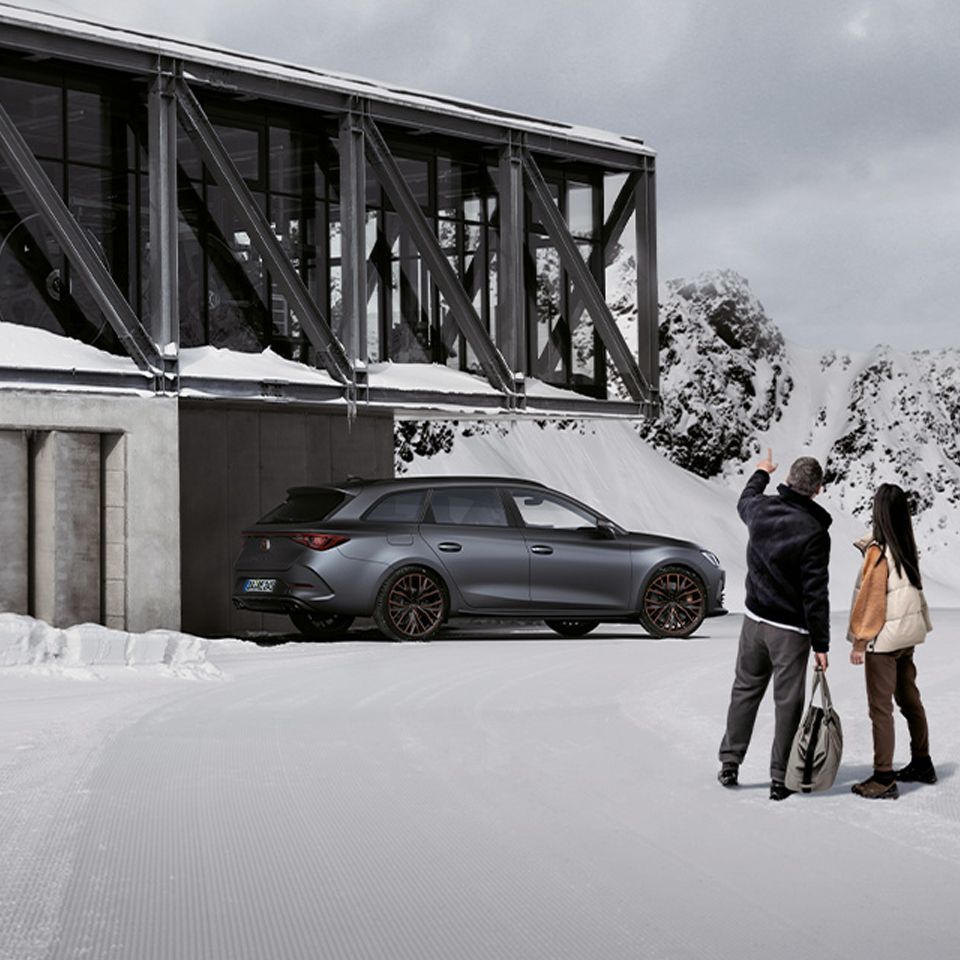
(356, 484)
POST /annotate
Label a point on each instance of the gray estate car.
(412, 551)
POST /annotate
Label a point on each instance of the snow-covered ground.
(475, 797)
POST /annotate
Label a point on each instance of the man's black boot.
(729, 775)
(779, 791)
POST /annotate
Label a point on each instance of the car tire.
(572, 628)
(321, 626)
(412, 604)
(674, 602)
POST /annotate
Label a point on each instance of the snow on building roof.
(219, 57)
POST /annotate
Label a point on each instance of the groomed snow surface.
(493, 794)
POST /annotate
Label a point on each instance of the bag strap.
(820, 680)
(806, 785)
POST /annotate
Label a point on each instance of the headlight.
(712, 557)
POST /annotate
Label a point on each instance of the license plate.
(259, 586)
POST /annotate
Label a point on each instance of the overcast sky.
(813, 146)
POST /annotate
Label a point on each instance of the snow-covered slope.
(732, 387)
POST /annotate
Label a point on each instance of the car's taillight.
(319, 541)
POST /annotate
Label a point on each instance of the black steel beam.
(401, 196)
(511, 293)
(164, 316)
(625, 362)
(353, 237)
(648, 307)
(312, 321)
(79, 250)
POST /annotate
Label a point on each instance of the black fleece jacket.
(788, 554)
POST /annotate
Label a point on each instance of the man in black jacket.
(787, 611)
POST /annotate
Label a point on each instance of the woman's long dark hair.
(893, 531)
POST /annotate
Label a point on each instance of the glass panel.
(417, 175)
(336, 301)
(398, 508)
(293, 163)
(373, 236)
(580, 217)
(493, 240)
(37, 112)
(448, 187)
(551, 330)
(188, 157)
(334, 232)
(191, 284)
(410, 330)
(533, 219)
(88, 128)
(550, 513)
(480, 506)
(101, 203)
(286, 224)
(611, 188)
(304, 507)
(620, 279)
(447, 234)
(237, 316)
(243, 148)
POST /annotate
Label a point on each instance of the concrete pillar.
(14, 522)
(113, 449)
(66, 528)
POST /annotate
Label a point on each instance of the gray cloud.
(813, 147)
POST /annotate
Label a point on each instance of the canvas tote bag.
(818, 743)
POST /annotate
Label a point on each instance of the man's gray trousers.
(765, 651)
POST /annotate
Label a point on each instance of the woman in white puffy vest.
(887, 620)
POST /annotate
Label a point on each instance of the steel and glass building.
(159, 198)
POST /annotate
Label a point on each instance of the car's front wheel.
(674, 602)
(412, 604)
(321, 626)
(572, 628)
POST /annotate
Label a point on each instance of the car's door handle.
(448, 547)
(541, 548)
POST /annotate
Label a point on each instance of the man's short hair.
(805, 476)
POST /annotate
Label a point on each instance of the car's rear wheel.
(321, 626)
(674, 602)
(412, 604)
(572, 628)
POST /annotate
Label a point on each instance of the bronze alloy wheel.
(674, 603)
(412, 605)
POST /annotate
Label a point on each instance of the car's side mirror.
(606, 530)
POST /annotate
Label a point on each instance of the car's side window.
(405, 507)
(541, 510)
(479, 506)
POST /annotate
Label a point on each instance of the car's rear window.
(305, 507)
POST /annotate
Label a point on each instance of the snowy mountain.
(732, 386)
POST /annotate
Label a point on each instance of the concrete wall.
(66, 524)
(236, 462)
(142, 469)
(14, 521)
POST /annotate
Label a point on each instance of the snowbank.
(33, 645)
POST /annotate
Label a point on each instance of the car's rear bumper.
(298, 588)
